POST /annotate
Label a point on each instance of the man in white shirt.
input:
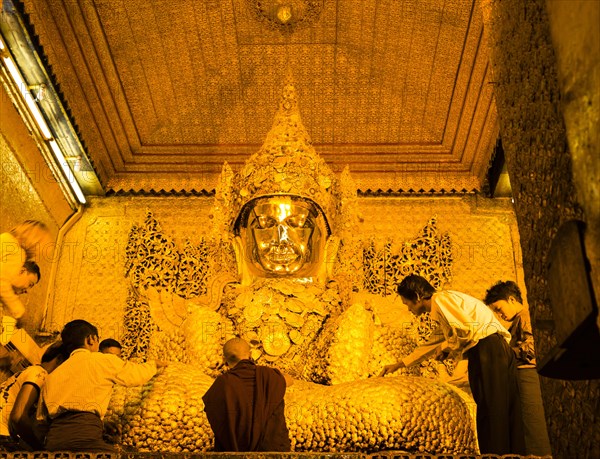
(468, 327)
(76, 395)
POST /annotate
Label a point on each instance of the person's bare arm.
(20, 422)
(420, 354)
(12, 303)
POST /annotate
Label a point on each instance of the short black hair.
(109, 342)
(32, 267)
(414, 287)
(75, 333)
(503, 291)
(56, 349)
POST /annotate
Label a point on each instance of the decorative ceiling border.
(119, 157)
(360, 193)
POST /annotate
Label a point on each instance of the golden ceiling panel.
(163, 93)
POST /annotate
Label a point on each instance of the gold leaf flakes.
(276, 343)
(295, 320)
(253, 312)
(296, 337)
(255, 354)
(295, 305)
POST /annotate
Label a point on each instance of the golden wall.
(91, 283)
(28, 190)
(90, 280)
(483, 232)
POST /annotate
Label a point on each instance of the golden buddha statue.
(285, 274)
(279, 214)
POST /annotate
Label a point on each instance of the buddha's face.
(285, 237)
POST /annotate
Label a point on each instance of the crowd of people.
(59, 405)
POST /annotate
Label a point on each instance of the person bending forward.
(468, 327)
(76, 395)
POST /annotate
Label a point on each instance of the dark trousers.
(77, 431)
(532, 407)
(493, 381)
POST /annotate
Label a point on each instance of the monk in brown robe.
(245, 406)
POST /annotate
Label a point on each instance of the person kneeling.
(245, 406)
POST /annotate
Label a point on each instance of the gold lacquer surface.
(283, 236)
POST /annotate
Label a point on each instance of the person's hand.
(112, 432)
(392, 368)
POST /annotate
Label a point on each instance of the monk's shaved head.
(236, 349)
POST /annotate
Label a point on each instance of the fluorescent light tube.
(67, 171)
(33, 108)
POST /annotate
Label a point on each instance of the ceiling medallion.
(286, 15)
